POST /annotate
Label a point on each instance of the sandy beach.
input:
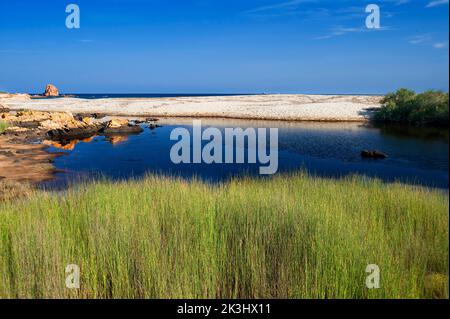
(258, 107)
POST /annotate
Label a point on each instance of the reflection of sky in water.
(325, 149)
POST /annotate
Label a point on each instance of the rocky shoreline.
(23, 156)
(63, 125)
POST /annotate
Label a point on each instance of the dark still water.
(325, 149)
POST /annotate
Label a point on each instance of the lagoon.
(416, 156)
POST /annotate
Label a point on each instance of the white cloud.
(440, 45)
(436, 3)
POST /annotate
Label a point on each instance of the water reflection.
(428, 134)
(69, 145)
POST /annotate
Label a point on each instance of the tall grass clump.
(290, 236)
(407, 107)
(3, 126)
(10, 190)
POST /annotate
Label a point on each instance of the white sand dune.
(264, 107)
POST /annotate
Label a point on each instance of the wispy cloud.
(440, 45)
(436, 3)
(395, 2)
(420, 39)
(292, 4)
(308, 10)
(427, 39)
(400, 2)
(340, 31)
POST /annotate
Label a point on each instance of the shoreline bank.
(321, 108)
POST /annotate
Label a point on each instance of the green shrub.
(405, 106)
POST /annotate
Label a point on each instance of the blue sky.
(224, 46)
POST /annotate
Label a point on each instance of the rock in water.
(373, 154)
(117, 123)
(51, 90)
(118, 126)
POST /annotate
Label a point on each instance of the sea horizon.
(176, 95)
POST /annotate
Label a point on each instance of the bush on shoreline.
(407, 107)
(293, 236)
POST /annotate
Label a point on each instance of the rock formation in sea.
(51, 90)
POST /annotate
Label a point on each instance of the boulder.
(58, 120)
(153, 126)
(120, 126)
(43, 120)
(96, 116)
(51, 90)
(116, 123)
(74, 133)
(373, 154)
